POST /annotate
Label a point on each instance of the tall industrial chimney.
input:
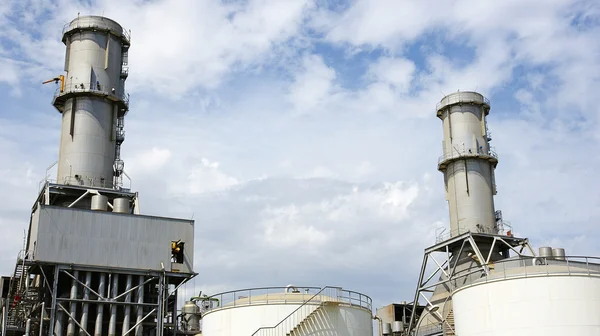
(93, 102)
(468, 163)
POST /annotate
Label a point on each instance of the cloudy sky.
(301, 135)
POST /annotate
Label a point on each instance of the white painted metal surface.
(546, 305)
(324, 316)
(467, 163)
(93, 90)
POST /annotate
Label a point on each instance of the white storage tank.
(548, 300)
(289, 311)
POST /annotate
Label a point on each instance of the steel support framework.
(70, 294)
(445, 272)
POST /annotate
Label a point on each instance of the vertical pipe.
(73, 309)
(127, 307)
(42, 315)
(58, 328)
(54, 293)
(86, 306)
(112, 324)
(100, 309)
(28, 327)
(160, 306)
(4, 312)
(140, 309)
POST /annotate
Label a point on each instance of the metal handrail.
(460, 100)
(231, 298)
(575, 265)
(304, 296)
(96, 88)
(468, 152)
(295, 310)
(124, 33)
(442, 235)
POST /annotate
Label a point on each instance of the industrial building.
(93, 264)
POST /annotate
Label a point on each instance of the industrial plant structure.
(478, 279)
(92, 264)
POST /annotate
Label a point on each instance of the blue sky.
(301, 135)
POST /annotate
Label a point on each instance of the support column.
(54, 305)
(73, 305)
(86, 306)
(140, 309)
(127, 307)
(100, 306)
(112, 324)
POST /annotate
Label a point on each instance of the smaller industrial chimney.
(468, 163)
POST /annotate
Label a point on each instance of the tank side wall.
(244, 320)
(549, 306)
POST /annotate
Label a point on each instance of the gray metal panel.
(85, 237)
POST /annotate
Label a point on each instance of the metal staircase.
(448, 325)
(21, 298)
(313, 322)
(306, 316)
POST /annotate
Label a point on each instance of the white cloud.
(313, 85)
(397, 72)
(205, 177)
(223, 127)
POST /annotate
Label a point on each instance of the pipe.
(73, 305)
(4, 310)
(380, 324)
(292, 287)
(28, 327)
(112, 323)
(100, 306)
(140, 309)
(42, 318)
(127, 308)
(58, 329)
(86, 296)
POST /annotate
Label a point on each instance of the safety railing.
(96, 88)
(432, 329)
(281, 295)
(527, 267)
(468, 152)
(308, 305)
(126, 35)
(462, 97)
(443, 234)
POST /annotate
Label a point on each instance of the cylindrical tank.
(558, 253)
(91, 101)
(190, 317)
(548, 305)
(397, 327)
(246, 316)
(467, 163)
(121, 205)
(387, 329)
(545, 252)
(99, 202)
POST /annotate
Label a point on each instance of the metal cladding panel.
(90, 151)
(543, 305)
(116, 240)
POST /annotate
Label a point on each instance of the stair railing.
(293, 319)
